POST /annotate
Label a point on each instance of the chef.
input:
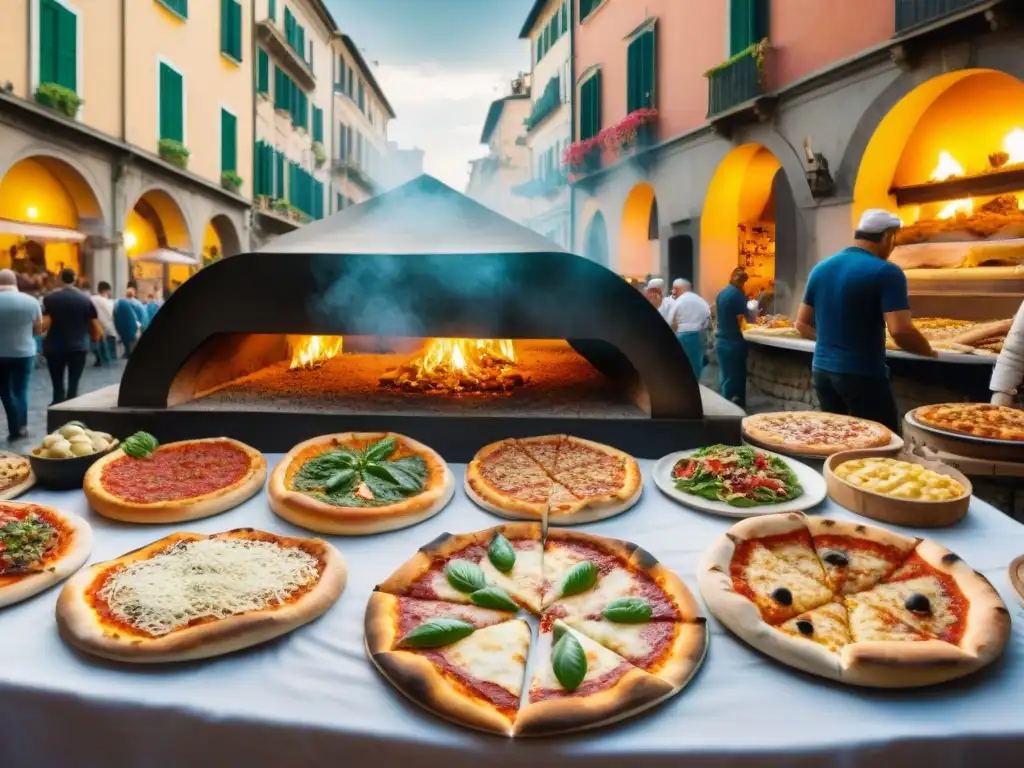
(655, 293)
(1008, 373)
(690, 317)
(851, 298)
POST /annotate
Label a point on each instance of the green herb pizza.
(738, 476)
(358, 483)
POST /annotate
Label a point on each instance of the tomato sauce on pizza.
(31, 537)
(176, 472)
(501, 699)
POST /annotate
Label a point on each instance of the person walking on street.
(138, 308)
(851, 298)
(1008, 373)
(106, 348)
(20, 321)
(655, 293)
(690, 317)
(127, 324)
(152, 306)
(69, 320)
(730, 346)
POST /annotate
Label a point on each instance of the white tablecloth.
(313, 699)
(806, 345)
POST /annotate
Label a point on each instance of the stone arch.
(639, 251)
(157, 220)
(79, 181)
(227, 234)
(165, 214)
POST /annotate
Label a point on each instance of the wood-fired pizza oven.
(419, 312)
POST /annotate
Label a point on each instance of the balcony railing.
(290, 60)
(737, 81)
(349, 168)
(546, 104)
(914, 13)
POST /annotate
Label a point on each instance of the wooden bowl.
(1017, 577)
(64, 474)
(912, 513)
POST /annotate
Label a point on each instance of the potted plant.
(319, 156)
(174, 152)
(59, 98)
(231, 181)
(263, 202)
(282, 206)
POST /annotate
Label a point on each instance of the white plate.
(810, 480)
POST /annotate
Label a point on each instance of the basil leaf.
(557, 631)
(341, 482)
(501, 554)
(569, 662)
(381, 449)
(381, 472)
(140, 445)
(437, 632)
(628, 610)
(465, 576)
(315, 473)
(492, 597)
(580, 578)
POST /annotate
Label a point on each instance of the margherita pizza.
(994, 422)
(358, 483)
(143, 482)
(189, 596)
(814, 434)
(444, 630)
(852, 602)
(39, 546)
(568, 480)
(16, 475)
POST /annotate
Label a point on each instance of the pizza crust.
(18, 488)
(306, 512)
(752, 426)
(823, 526)
(175, 510)
(71, 560)
(79, 625)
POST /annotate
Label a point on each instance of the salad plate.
(739, 481)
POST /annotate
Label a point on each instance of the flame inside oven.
(458, 365)
(311, 351)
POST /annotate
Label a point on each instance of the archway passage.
(740, 220)
(155, 222)
(44, 203)
(958, 186)
(639, 249)
(595, 241)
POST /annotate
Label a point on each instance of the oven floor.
(558, 383)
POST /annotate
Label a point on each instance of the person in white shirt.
(689, 319)
(655, 293)
(1008, 373)
(106, 348)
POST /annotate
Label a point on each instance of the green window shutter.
(228, 141)
(641, 72)
(279, 175)
(180, 7)
(300, 40)
(172, 93)
(590, 109)
(262, 71)
(587, 7)
(362, 97)
(272, 10)
(648, 58)
(341, 73)
(282, 96)
(318, 124)
(236, 29)
(310, 60)
(289, 27)
(48, 22)
(748, 23)
(258, 178)
(67, 48)
(632, 75)
(565, 16)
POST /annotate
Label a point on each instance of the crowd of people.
(60, 323)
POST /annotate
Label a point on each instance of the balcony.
(917, 13)
(549, 101)
(290, 61)
(351, 170)
(735, 82)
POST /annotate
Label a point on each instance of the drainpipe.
(118, 275)
(254, 58)
(330, 157)
(572, 120)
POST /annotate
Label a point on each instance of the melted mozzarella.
(892, 597)
(558, 561)
(765, 573)
(523, 582)
(864, 571)
(828, 624)
(867, 623)
(600, 661)
(206, 579)
(627, 640)
(495, 654)
(615, 584)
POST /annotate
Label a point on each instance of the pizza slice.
(391, 619)
(856, 557)
(543, 450)
(828, 626)
(495, 568)
(503, 479)
(16, 475)
(471, 676)
(578, 684)
(573, 562)
(869, 623)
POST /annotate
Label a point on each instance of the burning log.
(456, 366)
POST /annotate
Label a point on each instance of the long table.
(312, 698)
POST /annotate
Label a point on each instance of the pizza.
(190, 596)
(39, 546)
(358, 483)
(16, 475)
(561, 479)
(144, 482)
(446, 629)
(813, 433)
(853, 603)
(994, 422)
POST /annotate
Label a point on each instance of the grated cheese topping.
(206, 579)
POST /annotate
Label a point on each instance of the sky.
(440, 63)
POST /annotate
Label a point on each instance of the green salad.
(738, 475)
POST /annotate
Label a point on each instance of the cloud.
(441, 109)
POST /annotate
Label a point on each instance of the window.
(58, 45)
(748, 24)
(262, 71)
(565, 16)
(282, 90)
(172, 104)
(279, 174)
(587, 7)
(590, 107)
(640, 85)
(300, 40)
(361, 101)
(290, 28)
(231, 28)
(341, 73)
(272, 10)
(263, 170)
(228, 141)
(305, 192)
(310, 60)
(349, 90)
(318, 124)
(179, 7)
(300, 108)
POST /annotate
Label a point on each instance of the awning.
(168, 256)
(42, 232)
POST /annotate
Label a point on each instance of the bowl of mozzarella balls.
(61, 460)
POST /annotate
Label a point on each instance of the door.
(680, 258)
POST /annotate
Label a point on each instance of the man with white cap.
(20, 320)
(655, 293)
(690, 317)
(851, 298)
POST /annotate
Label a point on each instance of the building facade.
(548, 126)
(506, 165)
(360, 119)
(125, 128)
(754, 132)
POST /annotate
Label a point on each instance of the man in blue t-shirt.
(850, 300)
(730, 346)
